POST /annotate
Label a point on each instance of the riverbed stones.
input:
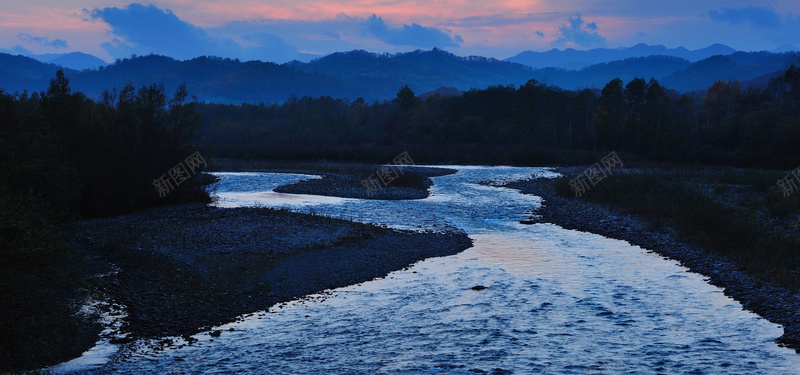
(185, 268)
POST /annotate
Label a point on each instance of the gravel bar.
(186, 268)
(347, 185)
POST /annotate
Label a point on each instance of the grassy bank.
(736, 212)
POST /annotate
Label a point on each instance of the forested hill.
(350, 75)
(342, 75)
(578, 59)
(421, 70)
(211, 79)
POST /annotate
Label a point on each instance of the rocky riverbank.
(182, 269)
(778, 305)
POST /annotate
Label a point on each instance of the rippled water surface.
(556, 301)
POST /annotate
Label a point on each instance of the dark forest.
(726, 124)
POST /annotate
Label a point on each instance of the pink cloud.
(485, 26)
(212, 13)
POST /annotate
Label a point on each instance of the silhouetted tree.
(655, 118)
(609, 114)
(406, 99)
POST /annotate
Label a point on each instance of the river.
(555, 301)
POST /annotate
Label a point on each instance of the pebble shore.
(183, 269)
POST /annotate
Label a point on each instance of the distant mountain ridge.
(71, 60)
(347, 75)
(746, 67)
(597, 76)
(372, 76)
(576, 59)
(673, 72)
(422, 70)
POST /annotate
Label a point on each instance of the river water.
(556, 301)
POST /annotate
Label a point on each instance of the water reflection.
(556, 301)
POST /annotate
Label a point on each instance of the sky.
(282, 30)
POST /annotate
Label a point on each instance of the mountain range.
(71, 60)
(379, 76)
(576, 59)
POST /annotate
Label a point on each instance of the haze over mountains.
(71, 60)
(379, 76)
(575, 59)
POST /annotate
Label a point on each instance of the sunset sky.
(280, 30)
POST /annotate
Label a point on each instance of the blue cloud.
(41, 41)
(148, 29)
(410, 35)
(140, 29)
(539, 34)
(317, 36)
(576, 33)
(757, 17)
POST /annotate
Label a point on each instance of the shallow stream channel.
(524, 299)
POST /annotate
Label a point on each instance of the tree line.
(94, 157)
(87, 158)
(726, 124)
(65, 156)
